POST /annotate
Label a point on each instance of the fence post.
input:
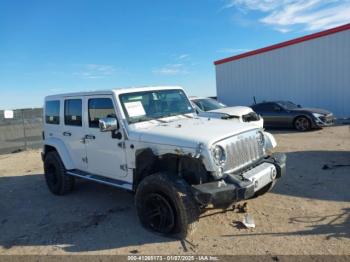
(24, 130)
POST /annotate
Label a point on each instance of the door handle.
(67, 133)
(90, 137)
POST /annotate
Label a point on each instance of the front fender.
(60, 147)
(270, 141)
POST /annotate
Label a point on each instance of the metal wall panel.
(314, 73)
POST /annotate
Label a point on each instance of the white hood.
(187, 132)
(233, 110)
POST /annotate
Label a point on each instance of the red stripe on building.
(284, 44)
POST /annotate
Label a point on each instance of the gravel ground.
(308, 212)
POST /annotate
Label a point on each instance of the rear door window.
(73, 112)
(52, 112)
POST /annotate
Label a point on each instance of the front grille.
(328, 119)
(242, 150)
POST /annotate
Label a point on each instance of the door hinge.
(124, 167)
(121, 144)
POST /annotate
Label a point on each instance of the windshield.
(287, 105)
(208, 104)
(148, 105)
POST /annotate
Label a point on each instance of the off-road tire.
(302, 123)
(57, 181)
(178, 194)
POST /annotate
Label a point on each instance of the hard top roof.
(116, 91)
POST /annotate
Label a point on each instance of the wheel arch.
(302, 115)
(191, 169)
(54, 144)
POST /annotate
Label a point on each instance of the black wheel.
(165, 205)
(57, 181)
(302, 123)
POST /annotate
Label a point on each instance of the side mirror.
(108, 124)
(299, 106)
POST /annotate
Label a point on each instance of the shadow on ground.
(286, 130)
(276, 130)
(334, 226)
(316, 175)
(322, 175)
(93, 217)
(97, 217)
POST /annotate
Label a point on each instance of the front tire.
(302, 123)
(57, 181)
(165, 205)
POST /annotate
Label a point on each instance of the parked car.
(151, 142)
(209, 107)
(288, 114)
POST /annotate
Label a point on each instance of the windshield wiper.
(147, 119)
(178, 114)
(229, 117)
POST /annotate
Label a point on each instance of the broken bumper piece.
(234, 187)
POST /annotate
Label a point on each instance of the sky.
(58, 46)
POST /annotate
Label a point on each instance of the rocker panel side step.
(100, 179)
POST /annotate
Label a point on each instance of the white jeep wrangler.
(150, 141)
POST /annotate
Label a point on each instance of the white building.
(313, 71)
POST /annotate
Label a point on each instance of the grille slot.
(242, 151)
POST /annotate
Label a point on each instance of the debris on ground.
(192, 246)
(134, 251)
(242, 208)
(248, 221)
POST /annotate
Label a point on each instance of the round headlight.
(219, 155)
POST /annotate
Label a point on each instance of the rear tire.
(302, 123)
(165, 205)
(57, 181)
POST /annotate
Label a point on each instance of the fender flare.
(270, 141)
(61, 150)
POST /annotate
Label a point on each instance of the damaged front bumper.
(236, 187)
(324, 121)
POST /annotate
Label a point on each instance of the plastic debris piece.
(248, 221)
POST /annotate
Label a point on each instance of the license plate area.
(261, 175)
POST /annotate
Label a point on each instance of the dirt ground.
(308, 212)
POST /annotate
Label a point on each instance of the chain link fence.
(20, 129)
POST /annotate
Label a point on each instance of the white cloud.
(183, 57)
(232, 50)
(288, 15)
(261, 5)
(171, 69)
(93, 71)
(179, 66)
